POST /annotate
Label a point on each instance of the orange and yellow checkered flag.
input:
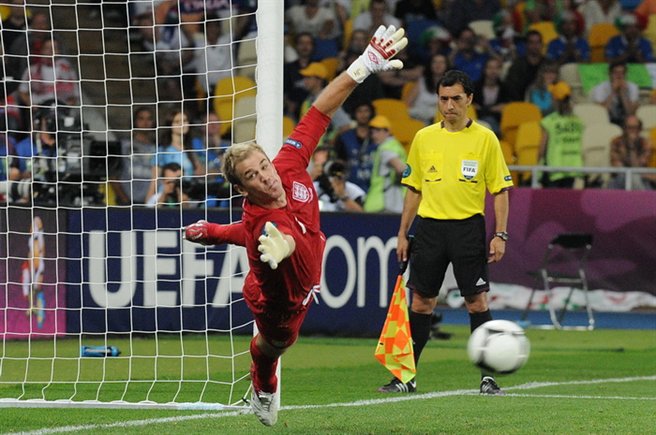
(394, 349)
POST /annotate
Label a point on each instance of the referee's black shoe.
(396, 386)
(489, 386)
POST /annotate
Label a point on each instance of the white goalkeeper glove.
(387, 41)
(273, 246)
(198, 232)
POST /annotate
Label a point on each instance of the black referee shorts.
(440, 242)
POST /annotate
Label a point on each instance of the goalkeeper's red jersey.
(290, 286)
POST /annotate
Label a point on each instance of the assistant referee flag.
(394, 349)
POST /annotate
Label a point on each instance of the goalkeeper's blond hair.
(234, 155)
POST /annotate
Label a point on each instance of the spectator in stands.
(169, 192)
(50, 77)
(212, 55)
(471, 54)
(320, 22)
(569, 46)
(335, 192)
(539, 92)
(524, 69)
(617, 94)
(434, 40)
(316, 78)
(507, 43)
(132, 183)
(394, 81)
(631, 150)
(35, 159)
(385, 192)
(14, 25)
(422, 97)
(599, 11)
(629, 46)
(26, 45)
(175, 146)
(7, 144)
(562, 135)
(372, 87)
(294, 86)
(409, 11)
(356, 148)
(377, 15)
(463, 12)
(490, 95)
(210, 145)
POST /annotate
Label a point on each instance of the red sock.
(263, 370)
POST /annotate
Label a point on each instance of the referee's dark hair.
(453, 77)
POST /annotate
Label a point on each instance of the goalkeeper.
(280, 222)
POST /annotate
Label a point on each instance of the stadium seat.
(548, 31)
(247, 53)
(564, 264)
(331, 64)
(226, 91)
(595, 148)
(598, 37)
(288, 125)
(483, 28)
(508, 152)
(569, 72)
(647, 114)
(650, 30)
(591, 113)
(527, 147)
(244, 119)
(405, 130)
(391, 108)
(652, 138)
(513, 114)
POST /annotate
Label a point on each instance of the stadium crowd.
(527, 58)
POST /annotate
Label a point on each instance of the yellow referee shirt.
(453, 170)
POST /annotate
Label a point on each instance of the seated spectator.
(335, 192)
(599, 11)
(463, 12)
(539, 92)
(169, 192)
(434, 40)
(132, 183)
(212, 55)
(524, 69)
(393, 81)
(629, 46)
(355, 147)
(422, 98)
(631, 150)
(49, 78)
(507, 43)
(320, 22)
(413, 10)
(470, 54)
(617, 94)
(385, 192)
(490, 95)
(377, 15)
(294, 86)
(175, 146)
(569, 46)
(562, 136)
(7, 144)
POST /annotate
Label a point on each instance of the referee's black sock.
(476, 320)
(420, 326)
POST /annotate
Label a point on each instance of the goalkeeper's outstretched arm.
(377, 57)
(207, 233)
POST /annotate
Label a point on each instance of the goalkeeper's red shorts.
(280, 329)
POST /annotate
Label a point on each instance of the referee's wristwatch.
(502, 235)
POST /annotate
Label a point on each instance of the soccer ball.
(499, 346)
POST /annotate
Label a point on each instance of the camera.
(331, 169)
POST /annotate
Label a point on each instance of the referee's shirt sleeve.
(412, 174)
(497, 175)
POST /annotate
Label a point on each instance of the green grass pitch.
(601, 381)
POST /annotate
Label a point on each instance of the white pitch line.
(436, 394)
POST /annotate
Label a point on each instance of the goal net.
(115, 116)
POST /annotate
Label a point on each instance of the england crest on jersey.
(300, 192)
(469, 168)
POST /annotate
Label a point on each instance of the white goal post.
(102, 304)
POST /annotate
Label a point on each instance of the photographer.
(170, 192)
(335, 193)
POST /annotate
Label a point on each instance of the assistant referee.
(450, 167)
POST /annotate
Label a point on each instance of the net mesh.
(115, 117)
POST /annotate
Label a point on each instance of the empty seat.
(405, 130)
(598, 37)
(391, 108)
(591, 113)
(513, 114)
(527, 147)
(596, 149)
(484, 28)
(647, 114)
(226, 92)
